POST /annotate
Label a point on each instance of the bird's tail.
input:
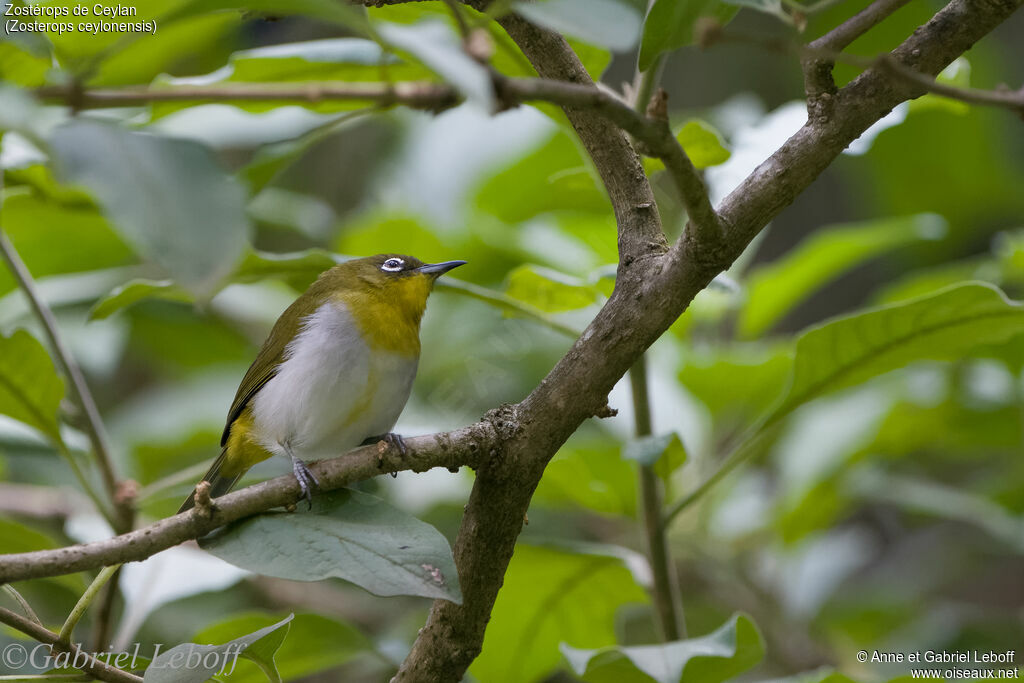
(219, 484)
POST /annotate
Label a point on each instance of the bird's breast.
(333, 388)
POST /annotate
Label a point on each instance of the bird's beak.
(439, 269)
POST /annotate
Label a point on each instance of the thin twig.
(89, 663)
(22, 602)
(79, 389)
(841, 36)
(83, 602)
(667, 597)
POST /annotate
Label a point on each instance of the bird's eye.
(393, 265)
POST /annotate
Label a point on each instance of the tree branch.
(89, 664)
(469, 446)
(817, 70)
(652, 290)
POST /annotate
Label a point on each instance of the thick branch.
(651, 292)
(468, 446)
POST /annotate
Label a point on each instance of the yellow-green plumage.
(340, 360)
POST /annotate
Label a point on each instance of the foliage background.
(887, 516)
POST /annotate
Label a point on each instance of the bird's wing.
(264, 367)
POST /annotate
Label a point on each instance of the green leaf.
(610, 481)
(166, 196)
(729, 651)
(328, 11)
(701, 142)
(957, 74)
(776, 288)
(610, 23)
(772, 7)
(437, 47)
(549, 596)
(670, 24)
(192, 663)
(664, 451)
(35, 224)
(549, 290)
(316, 643)
(553, 177)
(131, 293)
(944, 326)
(30, 388)
(350, 535)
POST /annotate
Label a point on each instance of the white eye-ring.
(393, 265)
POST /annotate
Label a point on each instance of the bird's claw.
(394, 441)
(307, 481)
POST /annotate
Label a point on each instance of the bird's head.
(395, 280)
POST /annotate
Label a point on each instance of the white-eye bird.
(335, 372)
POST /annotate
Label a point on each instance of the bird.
(334, 373)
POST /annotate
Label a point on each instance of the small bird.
(334, 373)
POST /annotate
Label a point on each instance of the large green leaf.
(610, 23)
(30, 388)
(610, 481)
(166, 196)
(776, 288)
(350, 535)
(316, 643)
(944, 326)
(550, 596)
(192, 663)
(670, 24)
(735, 647)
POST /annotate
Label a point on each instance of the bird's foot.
(394, 441)
(307, 480)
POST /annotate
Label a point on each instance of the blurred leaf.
(438, 48)
(822, 675)
(776, 288)
(324, 10)
(772, 7)
(166, 196)
(350, 535)
(610, 23)
(701, 142)
(590, 472)
(941, 501)
(549, 290)
(349, 60)
(736, 383)
(664, 451)
(189, 662)
(716, 657)
(316, 643)
(36, 225)
(552, 177)
(19, 538)
(670, 25)
(30, 388)
(853, 349)
(257, 265)
(130, 293)
(957, 74)
(550, 596)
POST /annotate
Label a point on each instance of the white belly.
(331, 393)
